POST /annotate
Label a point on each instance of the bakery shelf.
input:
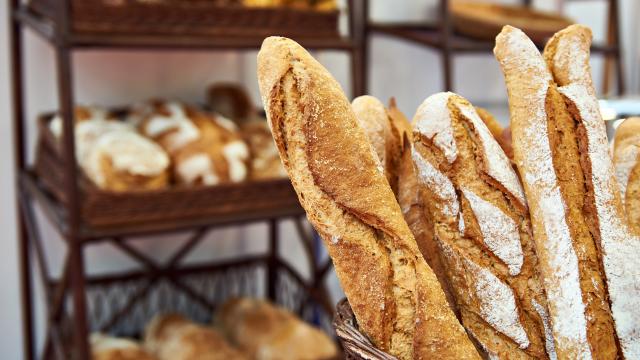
(49, 31)
(56, 213)
(66, 212)
(430, 35)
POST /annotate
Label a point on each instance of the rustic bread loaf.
(394, 294)
(558, 148)
(267, 332)
(104, 347)
(482, 229)
(174, 337)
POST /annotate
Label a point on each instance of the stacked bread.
(159, 143)
(546, 268)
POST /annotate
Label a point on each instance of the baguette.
(502, 135)
(482, 228)
(626, 155)
(567, 56)
(557, 136)
(395, 296)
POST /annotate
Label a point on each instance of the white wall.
(112, 78)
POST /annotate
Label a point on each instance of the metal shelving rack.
(442, 38)
(67, 218)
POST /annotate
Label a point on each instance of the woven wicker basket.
(191, 18)
(356, 345)
(103, 208)
(485, 20)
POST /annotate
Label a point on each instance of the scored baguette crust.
(395, 296)
(626, 156)
(501, 134)
(567, 56)
(582, 323)
(482, 228)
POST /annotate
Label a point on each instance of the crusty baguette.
(626, 157)
(394, 294)
(267, 332)
(567, 57)
(174, 337)
(482, 228)
(547, 156)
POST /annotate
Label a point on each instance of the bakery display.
(587, 257)
(174, 337)
(104, 347)
(482, 228)
(265, 331)
(395, 296)
(626, 156)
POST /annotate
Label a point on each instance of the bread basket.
(356, 345)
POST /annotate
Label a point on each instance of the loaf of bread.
(587, 255)
(395, 296)
(174, 337)
(482, 229)
(105, 347)
(266, 332)
(626, 157)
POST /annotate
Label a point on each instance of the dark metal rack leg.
(272, 266)
(17, 90)
(447, 53)
(74, 242)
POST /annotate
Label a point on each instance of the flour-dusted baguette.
(548, 159)
(567, 57)
(482, 228)
(626, 157)
(394, 294)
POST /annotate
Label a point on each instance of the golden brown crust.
(350, 203)
(548, 159)
(105, 347)
(483, 231)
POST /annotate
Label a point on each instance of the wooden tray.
(356, 346)
(103, 208)
(191, 18)
(485, 20)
